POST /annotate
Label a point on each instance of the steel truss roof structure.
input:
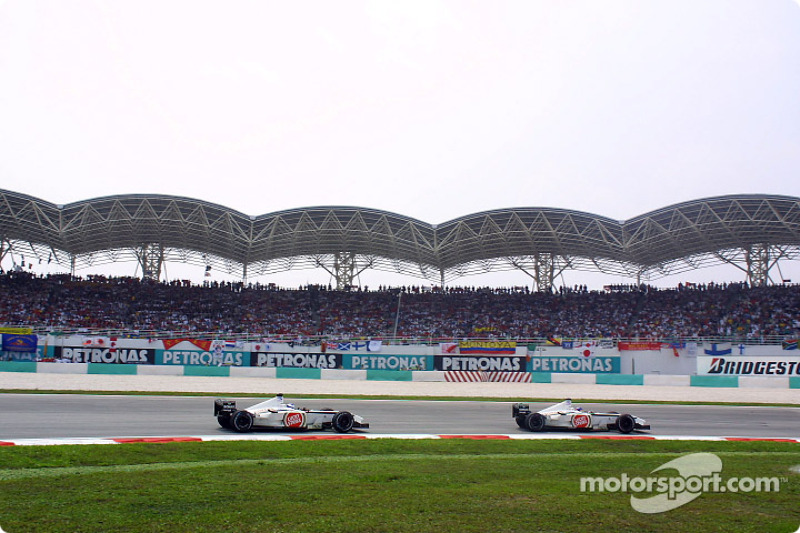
(753, 230)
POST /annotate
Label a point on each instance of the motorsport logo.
(697, 473)
(750, 366)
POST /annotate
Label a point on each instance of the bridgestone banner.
(748, 366)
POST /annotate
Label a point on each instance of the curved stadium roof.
(673, 239)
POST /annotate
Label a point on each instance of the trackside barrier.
(431, 376)
(761, 382)
(390, 375)
(252, 372)
(714, 381)
(213, 371)
(58, 368)
(153, 370)
(99, 368)
(619, 379)
(17, 366)
(298, 373)
(394, 375)
(335, 373)
(587, 379)
(666, 381)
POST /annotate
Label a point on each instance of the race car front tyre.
(224, 421)
(342, 422)
(241, 421)
(626, 423)
(535, 422)
(521, 421)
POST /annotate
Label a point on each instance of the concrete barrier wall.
(761, 382)
(667, 381)
(153, 370)
(252, 372)
(330, 373)
(396, 375)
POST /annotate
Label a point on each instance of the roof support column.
(758, 262)
(759, 259)
(151, 259)
(5, 247)
(544, 270)
(344, 266)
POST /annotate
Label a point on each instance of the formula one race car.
(276, 414)
(564, 415)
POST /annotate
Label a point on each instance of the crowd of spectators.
(124, 304)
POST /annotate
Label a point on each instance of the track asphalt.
(260, 387)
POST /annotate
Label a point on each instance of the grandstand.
(149, 309)
(752, 232)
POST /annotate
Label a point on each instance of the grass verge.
(374, 485)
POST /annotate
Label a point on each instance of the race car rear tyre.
(342, 422)
(224, 421)
(521, 421)
(626, 423)
(535, 422)
(241, 421)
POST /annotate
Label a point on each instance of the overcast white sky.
(432, 109)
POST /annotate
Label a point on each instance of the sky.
(430, 109)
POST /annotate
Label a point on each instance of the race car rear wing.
(520, 409)
(224, 406)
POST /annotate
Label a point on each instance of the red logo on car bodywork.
(295, 419)
(580, 421)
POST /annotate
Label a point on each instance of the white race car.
(277, 414)
(565, 415)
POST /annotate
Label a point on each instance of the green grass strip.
(387, 486)
(31, 473)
